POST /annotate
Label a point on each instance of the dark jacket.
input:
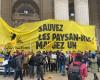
(19, 62)
(32, 61)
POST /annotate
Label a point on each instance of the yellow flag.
(4, 33)
(49, 35)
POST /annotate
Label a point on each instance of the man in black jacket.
(39, 65)
(19, 66)
(31, 65)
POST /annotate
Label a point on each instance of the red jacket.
(83, 69)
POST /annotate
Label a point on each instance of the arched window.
(25, 10)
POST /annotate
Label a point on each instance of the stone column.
(61, 10)
(47, 9)
(81, 11)
(0, 8)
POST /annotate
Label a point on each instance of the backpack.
(74, 72)
(39, 60)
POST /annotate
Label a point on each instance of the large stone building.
(85, 12)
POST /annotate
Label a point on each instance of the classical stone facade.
(16, 12)
(85, 12)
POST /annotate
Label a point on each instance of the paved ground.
(50, 76)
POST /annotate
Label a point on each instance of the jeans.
(17, 74)
(31, 71)
(25, 69)
(98, 63)
(6, 70)
(59, 67)
(45, 67)
(62, 69)
(40, 73)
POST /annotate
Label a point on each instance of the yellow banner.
(51, 35)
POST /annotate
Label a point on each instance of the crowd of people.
(75, 64)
